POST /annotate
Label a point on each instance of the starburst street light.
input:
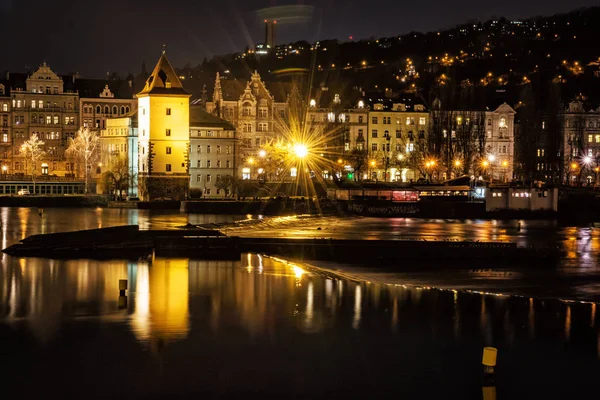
(587, 160)
(300, 150)
(262, 154)
(492, 158)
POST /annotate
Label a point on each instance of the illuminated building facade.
(258, 115)
(103, 99)
(395, 130)
(163, 133)
(119, 147)
(212, 155)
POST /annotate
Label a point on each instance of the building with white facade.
(213, 163)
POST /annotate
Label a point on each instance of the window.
(218, 149)
(56, 120)
(360, 146)
(590, 153)
(218, 177)
(227, 150)
(422, 121)
(208, 178)
(262, 112)
(398, 134)
(218, 163)
(543, 124)
(168, 168)
(115, 110)
(597, 137)
(199, 149)
(360, 119)
(347, 146)
(33, 103)
(374, 120)
(410, 147)
(360, 134)
(5, 107)
(410, 121)
(246, 111)
(208, 191)
(398, 147)
(5, 137)
(199, 178)
(168, 132)
(489, 122)
(502, 123)
(208, 149)
(48, 119)
(387, 120)
(228, 164)
(168, 111)
(374, 133)
(168, 150)
(199, 164)
(207, 163)
(374, 147)
(257, 142)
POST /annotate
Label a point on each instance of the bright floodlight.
(587, 160)
(492, 158)
(262, 154)
(300, 150)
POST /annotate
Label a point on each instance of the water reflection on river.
(264, 326)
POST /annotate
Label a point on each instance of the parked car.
(23, 192)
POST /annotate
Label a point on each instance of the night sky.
(95, 36)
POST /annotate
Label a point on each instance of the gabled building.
(100, 99)
(257, 115)
(163, 130)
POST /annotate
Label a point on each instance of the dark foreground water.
(261, 327)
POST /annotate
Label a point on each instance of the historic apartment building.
(163, 135)
(213, 164)
(258, 115)
(102, 99)
(580, 137)
(54, 107)
(395, 130)
(40, 103)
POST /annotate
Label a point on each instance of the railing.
(38, 178)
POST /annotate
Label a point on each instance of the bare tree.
(32, 150)
(358, 161)
(118, 175)
(84, 150)
(224, 183)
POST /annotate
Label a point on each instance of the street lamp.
(300, 150)
(262, 153)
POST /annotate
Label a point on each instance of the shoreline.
(358, 278)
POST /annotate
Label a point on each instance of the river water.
(270, 328)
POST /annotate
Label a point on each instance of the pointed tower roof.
(163, 80)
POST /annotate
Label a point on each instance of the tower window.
(168, 111)
(168, 168)
(168, 132)
(168, 150)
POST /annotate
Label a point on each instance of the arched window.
(127, 109)
(122, 110)
(48, 119)
(56, 120)
(69, 106)
(115, 110)
(34, 119)
(106, 110)
(41, 120)
(97, 109)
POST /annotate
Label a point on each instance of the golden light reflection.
(357, 306)
(568, 324)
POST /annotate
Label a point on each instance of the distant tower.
(270, 33)
(164, 134)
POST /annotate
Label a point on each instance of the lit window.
(502, 123)
(293, 172)
(422, 121)
(208, 178)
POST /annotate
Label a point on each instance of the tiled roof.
(200, 118)
(163, 80)
(91, 88)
